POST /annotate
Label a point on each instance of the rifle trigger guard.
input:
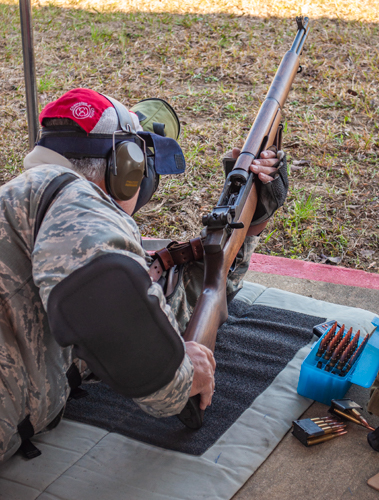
(300, 69)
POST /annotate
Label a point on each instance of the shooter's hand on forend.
(271, 195)
(262, 167)
(272, 185)
(204, 368)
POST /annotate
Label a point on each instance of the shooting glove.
(272, 195)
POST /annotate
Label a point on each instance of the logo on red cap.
(82, 110)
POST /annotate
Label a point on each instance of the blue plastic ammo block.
(323, 386)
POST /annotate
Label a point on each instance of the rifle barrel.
(262, 132)
(302, 33)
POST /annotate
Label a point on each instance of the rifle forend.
(227, 225)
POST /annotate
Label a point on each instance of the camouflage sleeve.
(81, 225)
(171, 399)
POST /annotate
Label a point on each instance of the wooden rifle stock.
(229, 222)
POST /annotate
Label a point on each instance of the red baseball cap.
(89, 109)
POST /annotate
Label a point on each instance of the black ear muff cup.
(130, 167)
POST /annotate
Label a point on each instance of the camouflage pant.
(190, 282)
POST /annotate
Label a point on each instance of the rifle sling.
(175, 254)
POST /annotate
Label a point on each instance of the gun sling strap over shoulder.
(49, 195)
(25, 427)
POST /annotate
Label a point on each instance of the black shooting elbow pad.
(103, 311)
(272, 195)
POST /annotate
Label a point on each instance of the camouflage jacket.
(82, 224)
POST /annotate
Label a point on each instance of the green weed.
(46, 82)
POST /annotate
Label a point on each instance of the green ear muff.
(125, 171)
(157, 116)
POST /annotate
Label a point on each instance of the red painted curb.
(310, 270)
(313, 271)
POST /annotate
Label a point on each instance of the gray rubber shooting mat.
(82, 461)
(252, 348)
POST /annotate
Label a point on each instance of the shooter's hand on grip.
(202, 386)
(204, 368)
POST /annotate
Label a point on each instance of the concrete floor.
(338, 469)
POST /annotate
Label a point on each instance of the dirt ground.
(215, 69)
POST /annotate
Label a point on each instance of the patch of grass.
(100, 35)
(46, 82)
(214, 61)
(304, 209)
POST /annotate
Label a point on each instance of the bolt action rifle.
(227, 225)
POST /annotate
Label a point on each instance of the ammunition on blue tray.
(349, 349)
(355, 341)
(340, 348)
(325, 341)
(334, 343)
(356, 355)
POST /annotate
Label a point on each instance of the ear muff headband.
(124, 118)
